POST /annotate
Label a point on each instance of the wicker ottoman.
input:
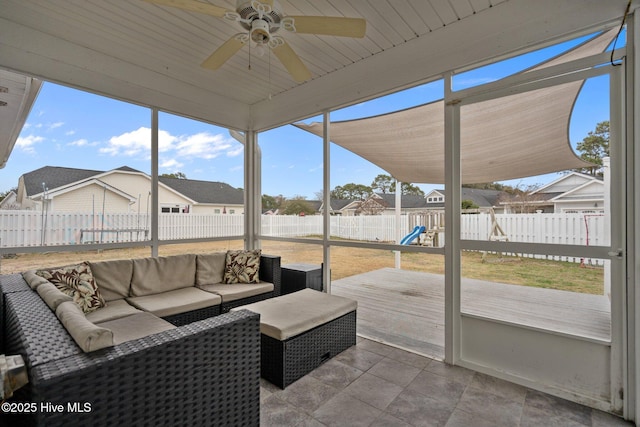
(302, 330)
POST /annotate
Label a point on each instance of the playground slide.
(406, 240)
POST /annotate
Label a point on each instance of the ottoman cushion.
(290, 315)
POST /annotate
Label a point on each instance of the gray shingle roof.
(408, 201)
(54, 177)
(205, 191)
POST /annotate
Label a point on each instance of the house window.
(434, 199)
(217, 211)
(170, 209)
(232, 211)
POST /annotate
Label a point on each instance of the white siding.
(90, 198)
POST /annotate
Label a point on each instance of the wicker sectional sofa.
(196, 367)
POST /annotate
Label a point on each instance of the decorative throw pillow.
(242, 266)
(76, 281)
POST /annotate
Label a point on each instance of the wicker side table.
(296, 277)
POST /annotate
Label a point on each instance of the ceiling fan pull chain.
(249, 42)
(270, 75)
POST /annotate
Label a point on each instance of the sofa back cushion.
(113, 278)
(155, 275)
(210, 268)
(87, 335)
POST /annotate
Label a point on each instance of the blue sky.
(71, 128)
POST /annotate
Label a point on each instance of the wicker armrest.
(270, 271)
(201, 373)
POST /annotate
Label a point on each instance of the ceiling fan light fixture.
(260, 31)
(260, 49)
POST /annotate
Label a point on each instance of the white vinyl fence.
(32, 228)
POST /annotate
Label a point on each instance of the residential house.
(483, 198)
(122, 190)
(10, 201)
(571, 193)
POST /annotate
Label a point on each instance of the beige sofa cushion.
(113, 278)
(52, 296)
(135, 326)
(210, 268)
(175, 302)
(292, 314)
(87, 335)
(33, 279)
(113, 310)
(156, 275)
(238, 291)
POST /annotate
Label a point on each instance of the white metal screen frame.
(580, 69)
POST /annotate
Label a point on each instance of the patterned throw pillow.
(76, 281)
(242, 266)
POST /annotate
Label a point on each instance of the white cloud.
(204, 145)
(27, 144)
(171, 164)
(83, 143)
(70, 132)
(79, 142)
(56, 125)
(201, 145)
(236, 152)
(137, 143)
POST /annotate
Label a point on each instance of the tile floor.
(372, 384)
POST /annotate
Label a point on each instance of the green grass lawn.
(540, 273)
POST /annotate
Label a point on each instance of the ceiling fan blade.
(330, 25)
(193, 6)
(223, 53)
(291, 62)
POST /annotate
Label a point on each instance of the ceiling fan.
(262, 19)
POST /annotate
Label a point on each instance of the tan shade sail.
(516, 136)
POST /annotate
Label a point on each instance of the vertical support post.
(398, 261)
(155, 205)
(632, 178)
(326, 194)
(452, 174)
(257, 192)
(249, 190)
(616, 216)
